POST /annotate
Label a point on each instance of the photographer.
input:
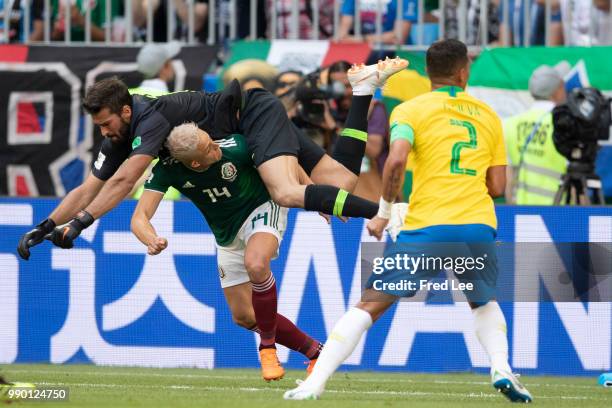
(339, 88)
(311, 111)
(535, 165)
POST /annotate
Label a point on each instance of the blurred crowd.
(318, 102)
(507, 22)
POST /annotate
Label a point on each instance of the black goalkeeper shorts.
(270, 133)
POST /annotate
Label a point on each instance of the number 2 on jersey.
(214, 193)
(456, 152)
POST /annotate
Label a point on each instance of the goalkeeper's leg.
(342, 169)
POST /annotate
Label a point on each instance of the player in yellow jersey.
(459, 166)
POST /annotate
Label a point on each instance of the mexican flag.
(298, 55)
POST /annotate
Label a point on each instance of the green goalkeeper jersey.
(225, 193)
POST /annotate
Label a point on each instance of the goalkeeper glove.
(34, 237)
(64, 235)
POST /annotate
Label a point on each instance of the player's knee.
(257, 267)
(244, 319)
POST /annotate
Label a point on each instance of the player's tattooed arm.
(394, 170)
(141, 222)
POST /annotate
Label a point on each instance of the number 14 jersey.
(225, 193)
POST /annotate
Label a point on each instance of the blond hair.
(183, 141)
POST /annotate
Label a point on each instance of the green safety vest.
(541, 166)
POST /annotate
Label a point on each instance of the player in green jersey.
(221, 180)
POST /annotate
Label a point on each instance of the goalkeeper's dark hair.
(445, 58)
(111, 93)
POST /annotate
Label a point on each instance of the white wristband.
(384, 209)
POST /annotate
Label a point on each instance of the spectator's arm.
(38, 30)
(38, 20)
(403, 27)
(139, 11)
(391, 37)
(200, 11)
(346, 22)
(97, 33)
(78, 20)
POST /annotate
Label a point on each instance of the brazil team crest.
(229, 171)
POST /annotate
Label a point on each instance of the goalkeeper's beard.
(122, 135)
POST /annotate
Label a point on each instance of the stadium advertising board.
(107, 302)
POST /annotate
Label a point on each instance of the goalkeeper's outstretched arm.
(77, 199)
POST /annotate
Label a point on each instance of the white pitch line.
(276, 389)
(231, 377)
(528, 384)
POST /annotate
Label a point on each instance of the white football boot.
(365, 79)
(303, 392)
(508, 384)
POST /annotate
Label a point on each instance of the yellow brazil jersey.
(455, 138)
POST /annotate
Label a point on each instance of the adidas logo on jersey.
(230, 142)
(188, 185)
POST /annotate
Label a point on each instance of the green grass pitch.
(92, 386)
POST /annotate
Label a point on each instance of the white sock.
(339, 346)
(490, 326)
